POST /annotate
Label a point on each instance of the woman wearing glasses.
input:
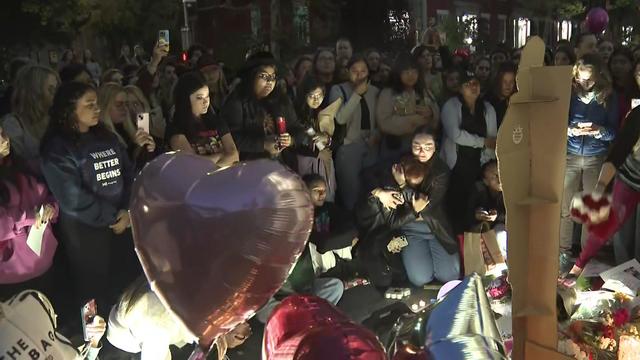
(593, 118)
(432, 251)
(315, 151)
(470, 129)
(253, 108)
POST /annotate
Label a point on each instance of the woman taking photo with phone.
(592, 123)
(195, 129)
(90, 175)
(118, 115)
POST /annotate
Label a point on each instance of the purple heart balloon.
(216, 244)
(597, 20)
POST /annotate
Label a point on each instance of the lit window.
(522, 29)
(626, 35)
(564, 30)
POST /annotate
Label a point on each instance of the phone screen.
(88, 312)
(143, 122)
(163, 35)
(634, 103)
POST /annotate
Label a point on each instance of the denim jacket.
(597, 114)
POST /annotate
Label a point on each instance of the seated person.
(29, 331)
(379, 218)
(486, 205)
(304, 279)
(333, 233)
(433, 250)
(140, 323)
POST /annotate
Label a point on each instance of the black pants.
(102, 263)
(43, 283)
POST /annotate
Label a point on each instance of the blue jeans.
(425, 259)
(350, 160)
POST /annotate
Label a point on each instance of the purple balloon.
(216, 244)
(597, 20)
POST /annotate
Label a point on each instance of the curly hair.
(599, 74)
(63, 119)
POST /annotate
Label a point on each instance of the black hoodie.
(91, 178)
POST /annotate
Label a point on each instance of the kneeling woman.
(432, 249)
(88, 171)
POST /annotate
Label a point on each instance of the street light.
(185, 31)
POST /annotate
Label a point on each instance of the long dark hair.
(404, 62)
(306, 114)
(632, 86)
(599, 74)
(505, 68)
(183, 116)
(63, 120)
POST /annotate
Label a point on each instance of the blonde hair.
(107, 94)
(27, 100)
(135, 91)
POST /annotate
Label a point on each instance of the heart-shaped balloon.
(216, 244)
(304, 327)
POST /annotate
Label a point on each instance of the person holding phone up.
(592, 123)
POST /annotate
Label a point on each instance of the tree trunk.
(275, 28)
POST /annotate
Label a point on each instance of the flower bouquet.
(595, 332)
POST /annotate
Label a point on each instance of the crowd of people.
(397, 151)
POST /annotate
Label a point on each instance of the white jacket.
(148, 328)
(453, 136)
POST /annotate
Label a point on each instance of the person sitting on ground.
(486, 208)
(333, 233)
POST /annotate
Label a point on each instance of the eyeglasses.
(316, 96)
(485, 68)
(425, 148)
(267, 77)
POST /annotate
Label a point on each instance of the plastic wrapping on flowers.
(597, 325)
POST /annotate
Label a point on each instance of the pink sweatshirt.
(18, 263)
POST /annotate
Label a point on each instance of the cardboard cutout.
(531, 150)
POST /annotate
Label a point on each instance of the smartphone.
(163, 37)
(634, 103)
(87, 313)
(143, 122)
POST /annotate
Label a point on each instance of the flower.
(621, 317)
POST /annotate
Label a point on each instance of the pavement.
(359, 303)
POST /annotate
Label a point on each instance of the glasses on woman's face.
(267, 77)
(417, 148)
(316, 96)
